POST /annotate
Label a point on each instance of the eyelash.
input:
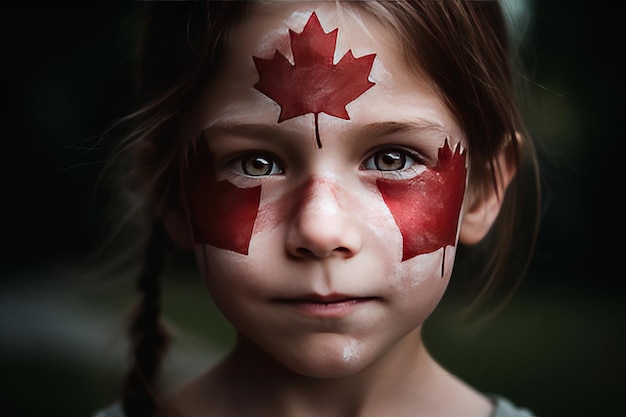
(243, 164)
(405, 157)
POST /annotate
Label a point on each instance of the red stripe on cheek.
(426, 208)
(222, 215)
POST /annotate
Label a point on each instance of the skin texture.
(314, 83)
(326, 277)
(426, 208)
(223, 214)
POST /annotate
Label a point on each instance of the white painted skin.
(342, 207)
(351, 351)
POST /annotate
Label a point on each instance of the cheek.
(419, 285)
(222, 215)
(231, 280)
(426, 208)
(423, 271)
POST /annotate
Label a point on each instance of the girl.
(324, 160)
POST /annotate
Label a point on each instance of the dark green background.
(558, 347)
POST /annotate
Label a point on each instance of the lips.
(331, 305)
(325, 299)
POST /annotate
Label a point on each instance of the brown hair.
(465, 49)
(461, 46)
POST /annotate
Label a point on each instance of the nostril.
(305, 253)
(308, 253)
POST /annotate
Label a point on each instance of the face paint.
(324, 202)
(323, 192)
(351, 352)
(222, 215)
(313, 84)
(426, 208)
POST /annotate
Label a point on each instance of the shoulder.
(113, 410)
(504, 408)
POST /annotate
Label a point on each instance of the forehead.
(267, 28)
(266, 32)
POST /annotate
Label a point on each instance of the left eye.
(259, 165)
(389, 160)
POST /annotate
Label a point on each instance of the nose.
(320, 226)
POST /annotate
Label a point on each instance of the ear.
(177, 226)
(482, 213)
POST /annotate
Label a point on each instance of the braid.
(148, 335)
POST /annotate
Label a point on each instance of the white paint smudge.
(351, 352)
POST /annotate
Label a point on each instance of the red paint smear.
(313, 84)
(426, 208)
(222, 215)
(305, 193)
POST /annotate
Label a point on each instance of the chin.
(326, 362)
(325, 369)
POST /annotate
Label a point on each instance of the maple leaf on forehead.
(313, 84)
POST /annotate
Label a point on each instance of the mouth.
(332, 305)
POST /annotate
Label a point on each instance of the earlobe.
(481, 215)
(177, 226)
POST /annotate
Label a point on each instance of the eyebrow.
(284, 137)
(252, 130)
(380, 129)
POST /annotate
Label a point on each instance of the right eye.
(257, 165)
(391, 159)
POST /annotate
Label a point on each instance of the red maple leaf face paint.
(222, 215)
(426, 208)
(331, 220)
(313, 84)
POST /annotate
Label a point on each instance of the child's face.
(326, 258)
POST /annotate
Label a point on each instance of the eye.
(258, 165)
(389, 160)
